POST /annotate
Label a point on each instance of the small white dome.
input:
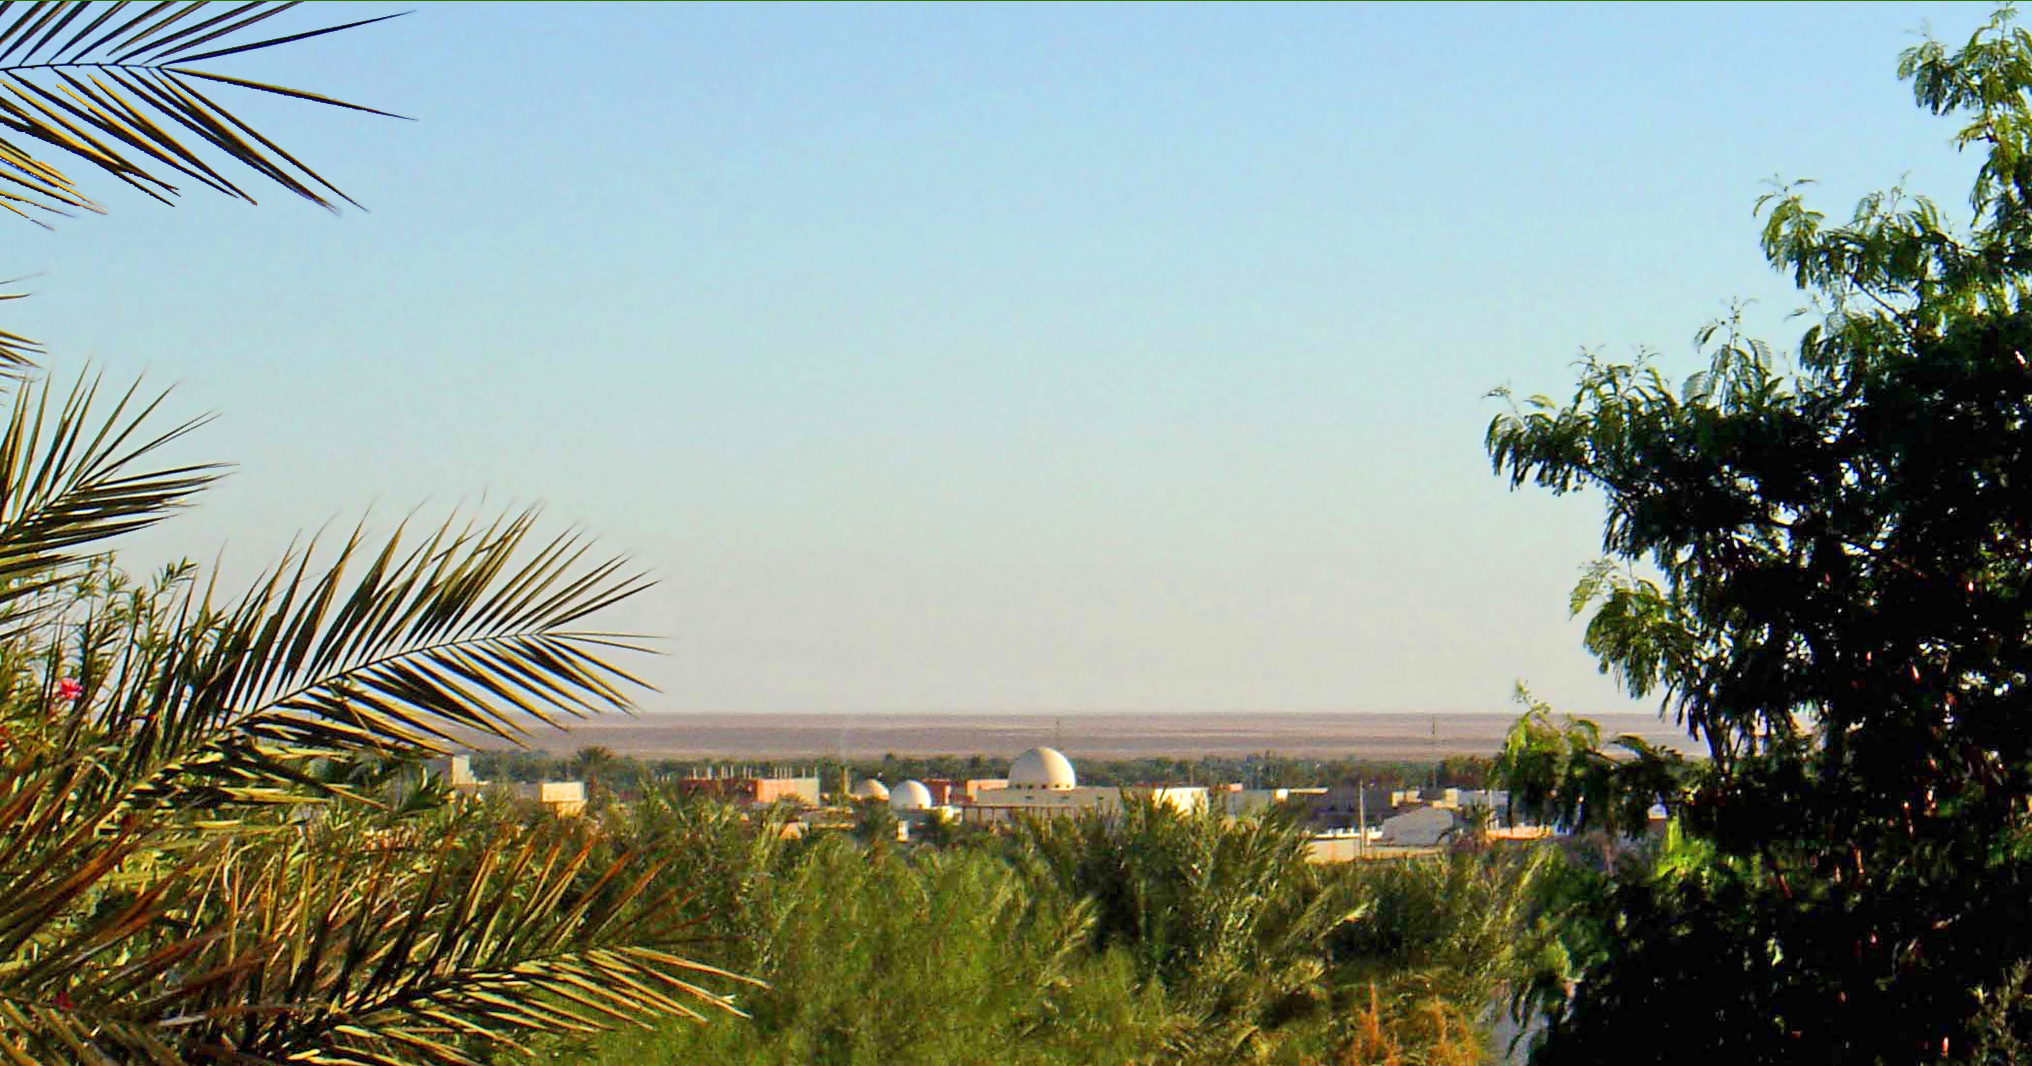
(910, 796)
(1042, 768)
(870, 789)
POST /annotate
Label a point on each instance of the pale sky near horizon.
(1007, 358)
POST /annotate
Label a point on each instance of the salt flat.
(1086, 735)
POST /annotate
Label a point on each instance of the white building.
(910, 797)
(1042, 782)
(912, 804)
(1042, 769)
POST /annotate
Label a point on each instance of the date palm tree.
(1228, 916)
(592, 763)
(183, 876)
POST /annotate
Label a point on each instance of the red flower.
(63, 1001)
(70, 689)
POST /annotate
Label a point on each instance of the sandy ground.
(1094, 736)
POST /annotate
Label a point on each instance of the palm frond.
(120, 93)
(17, 353)
(404, 951)
(71, 476)
(352, 944)
(414, 643)
(473, 629)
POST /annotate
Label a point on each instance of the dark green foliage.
(882, 960)
(1826, 573)
(1558, 774)
(723, 858)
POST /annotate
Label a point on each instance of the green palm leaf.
(415, 643)
(472, 629)
(154, 908)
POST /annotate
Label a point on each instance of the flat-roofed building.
(563, 797)
(1238, 802)
(1419, 827)
(755, 790)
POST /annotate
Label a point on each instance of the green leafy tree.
(1560, 773)
(1825, 572)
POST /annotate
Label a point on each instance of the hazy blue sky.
(993, 358)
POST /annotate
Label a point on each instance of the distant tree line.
(624, 775)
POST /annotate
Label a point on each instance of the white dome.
(870, 789)
(1042, 768)
(910, 796)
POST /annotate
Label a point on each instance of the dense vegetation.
(1152, 937)
(1827, 572)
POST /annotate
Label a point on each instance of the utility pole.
(1362, 819)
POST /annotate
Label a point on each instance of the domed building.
(910, 796)
(1042, 783)
(1045, 768)
(868, 790)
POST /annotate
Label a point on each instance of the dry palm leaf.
(117, 86)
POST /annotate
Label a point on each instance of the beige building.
(1238, 802)
(753, 791)
(1420, 827)
(456, 771)
(562, 797)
